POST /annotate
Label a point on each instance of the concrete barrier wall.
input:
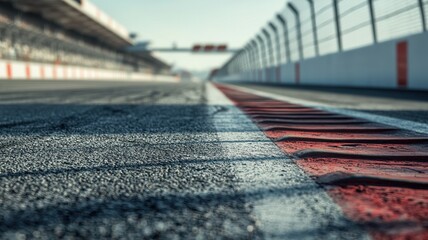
(18, 70)
(401, 63)
(418, 62)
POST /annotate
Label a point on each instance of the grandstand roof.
(80, 16)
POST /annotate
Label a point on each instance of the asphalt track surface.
(405, 105)
(148, 160)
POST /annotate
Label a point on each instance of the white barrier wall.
(418, 62)
(17, 70)
(373, 66)
(401, 63)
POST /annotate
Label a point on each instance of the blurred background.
(291, 41)
(96, 34)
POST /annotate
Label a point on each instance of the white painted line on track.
(395, 122)
(285, 201)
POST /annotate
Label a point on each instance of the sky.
(187, 22)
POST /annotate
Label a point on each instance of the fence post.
(256, 54)
(247, 58)
(244, 60)
(259, 58)
(262, 51)
(337, 21)
(253, 58)
(228, 68)
(241, 62)
(298, 28)
(314, 26)
(236, 64)
(424, 23)
(286, 38)
(373, 20)
(262, 54)
(232, 65)
(269, 59)
(278, 45)
(272, 55)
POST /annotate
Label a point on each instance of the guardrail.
(324, 39)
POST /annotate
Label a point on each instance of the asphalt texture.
(406, 105)
(124, 160)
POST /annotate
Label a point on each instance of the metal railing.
(311, 28)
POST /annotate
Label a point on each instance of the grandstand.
(69, 33)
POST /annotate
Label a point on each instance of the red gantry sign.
(209, 48)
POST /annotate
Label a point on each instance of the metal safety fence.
(311, 28)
